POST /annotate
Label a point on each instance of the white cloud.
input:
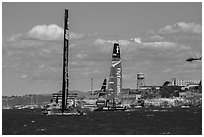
(46, 32)
(156, 37)
(122, 42)
(100, 42)
(81, 35)
(137, 40)
(76, 36)
(127, 41)
(160, 44)
(14, 37)
(136, 43)
(181, 27)
(51, 32)
(43, 59)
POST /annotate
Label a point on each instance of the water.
(173, 121)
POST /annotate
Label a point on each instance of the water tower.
(140, 80)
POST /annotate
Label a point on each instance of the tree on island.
(169, 91)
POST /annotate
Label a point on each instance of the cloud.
(100, 42)
(162, 52)
(133, 44)
(34, 57)
(165, 45)
(51, 32)
(27, 57)
(156, 38)
(13, 38)
(160, 44)
(46, 32)
(81, 35)
(136, 40)
(123, 42)
(181, 27)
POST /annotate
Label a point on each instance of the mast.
(65, 82)
(91, 85)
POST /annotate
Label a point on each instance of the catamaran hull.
(58, 112)
(111, 109)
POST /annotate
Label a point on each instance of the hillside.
(39, 99)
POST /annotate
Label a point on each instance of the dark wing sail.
(65, 82)
(103, 89)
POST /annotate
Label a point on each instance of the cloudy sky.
(155, 39)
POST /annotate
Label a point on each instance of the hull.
(87, 109)
(59, 112)
(111, 109)
(134, 108)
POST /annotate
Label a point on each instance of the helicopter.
(191, 59)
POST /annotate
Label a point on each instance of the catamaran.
(63, 108)
(110, 100)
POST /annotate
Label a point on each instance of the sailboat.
(101, 102)
(55, 108)
(113, 94)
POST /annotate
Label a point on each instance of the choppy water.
(175, 121)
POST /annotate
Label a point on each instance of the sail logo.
(117, 49)
(67, 34)
(114, 63)
(118, 80)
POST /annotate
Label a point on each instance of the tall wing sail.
(115, 79)
(65, 82)
(103, 89)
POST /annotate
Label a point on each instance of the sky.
(155, 39)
